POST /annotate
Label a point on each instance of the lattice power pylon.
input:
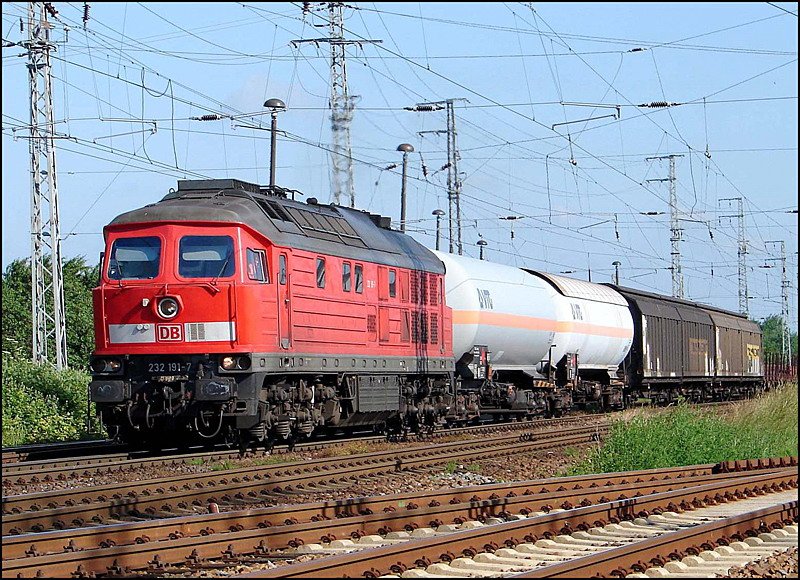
(341, 101)
(342, 104)
(47, 284)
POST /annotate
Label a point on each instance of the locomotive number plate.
(173, 367)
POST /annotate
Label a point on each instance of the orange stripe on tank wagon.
(533, 323)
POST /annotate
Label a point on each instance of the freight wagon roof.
(581, 289)
(671, 307)
(326, 229)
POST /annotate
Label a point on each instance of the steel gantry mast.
(47, 284)
(678, 289)
(786, 339)
(742, 253)
(453, 177)
(341, 101)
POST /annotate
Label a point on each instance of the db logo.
(169, 332)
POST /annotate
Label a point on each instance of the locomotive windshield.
(206, 257)
(134, 258)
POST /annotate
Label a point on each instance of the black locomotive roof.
(327, 229)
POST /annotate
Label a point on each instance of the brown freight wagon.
(683, 348)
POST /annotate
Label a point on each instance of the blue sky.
(128, 85)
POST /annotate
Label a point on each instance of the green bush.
(41, 404)
(690, 435)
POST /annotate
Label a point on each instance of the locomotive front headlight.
(167, 308)
(235, 363)
(102, 365)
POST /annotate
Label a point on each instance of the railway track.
(249, 486)
(36, 461)
(64, 468)
(42, 451)
(547, 539)
(396, 534)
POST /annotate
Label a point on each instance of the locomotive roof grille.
(314, 224)
(329, 227)
(336, 230)
(218, 184)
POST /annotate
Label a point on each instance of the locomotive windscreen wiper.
(224, 265)
(120, 274)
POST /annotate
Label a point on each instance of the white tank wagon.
(594, 322)
(501, 307)
(594, 335)
(551, 338)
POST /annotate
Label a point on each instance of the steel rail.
(12, 455)
(261, 542)
(639, 556)
(165, 498)
(395, 559)
(546, 491)
(61, 468)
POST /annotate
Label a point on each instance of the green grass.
(688, 435)
(223, 466)
(450, 467)
(197, 461)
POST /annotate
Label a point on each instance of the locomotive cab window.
(392, 283)
(359, 275)
(206, 257)
(320, 273)
(134, 258)
(346, 277)
(257, 265)
(282, 270)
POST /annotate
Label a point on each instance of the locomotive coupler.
(216, 389)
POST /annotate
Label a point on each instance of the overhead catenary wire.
(475, 166)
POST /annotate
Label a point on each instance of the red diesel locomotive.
(228, 311)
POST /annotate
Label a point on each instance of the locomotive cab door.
(284, 302)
